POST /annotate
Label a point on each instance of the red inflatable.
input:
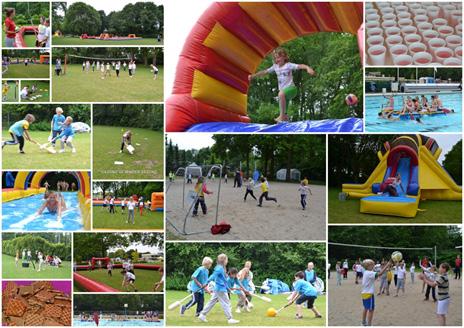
(228, 43)
(92, 286)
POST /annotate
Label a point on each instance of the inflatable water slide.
(415, 158)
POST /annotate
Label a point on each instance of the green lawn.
(88, 87)
(102, 219)
(31, 71)
(28, 38)
(13, 92)
(442, 212)
(76, 41)
(10, 271)
(42, 95)
(38, 159)
(257, 317)
(146, 162)
(144, 279)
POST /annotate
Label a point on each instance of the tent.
(294, 174)
(194, 170)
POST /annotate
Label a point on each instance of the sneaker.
(238, 310)
(318, 316)
(61, 151)
(120, 151)
(73, 150)
(259, 205)
(298, 316)
(182, 310)
(202, 317)
(21, 152)
(232, 321)
(364, 323)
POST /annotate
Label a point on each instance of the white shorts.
(442, 307)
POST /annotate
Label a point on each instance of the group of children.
(131, 204)
(41, 259)
(223, 282)
(106, 69)
(42, 33)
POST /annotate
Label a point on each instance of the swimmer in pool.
(55, 204)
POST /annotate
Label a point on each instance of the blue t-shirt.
(57, 122)
(305, 288)
(231, 282)
(201, 274)
(310, 276)
(220, 279)
(68, 131)
(19, 127)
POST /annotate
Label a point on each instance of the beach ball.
(271, 312)
(351, 100)
(397, 256)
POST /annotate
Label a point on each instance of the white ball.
(397, 256)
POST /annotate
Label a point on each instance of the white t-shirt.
(358, 268)
(48, 36)
(345, 265)
(130, 275)
(130, 205)
(284, 74)
(412, 269)
(24, 93)
(368, 281)
(401, 272)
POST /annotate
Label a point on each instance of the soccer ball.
(351, 100)
(271, 312)
(396, 256)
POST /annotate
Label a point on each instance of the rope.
(96, 58)
(381, 247)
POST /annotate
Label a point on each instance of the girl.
(19, 132)
(130, 210)
(55, 204)
(56, 125)
(283, 69)
(265, 192)
(105, 203)
(141, 206)
(249, 189)
(245, 294)
(112, 205)
(303, 190)
(339, 270)
(126, 140)
(117, 68)
(220, 294)
(155, 72)
(200, 190)
(109, 268)
(10, 28)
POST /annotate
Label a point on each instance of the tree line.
(36, 243)
(116, 303)
(126, 189)
(27, 13)
(144, 116)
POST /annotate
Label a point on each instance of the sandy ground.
(250, 222)
(345, 305)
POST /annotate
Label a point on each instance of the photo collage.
(207, 163)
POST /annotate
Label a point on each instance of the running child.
(200, 190)
(198, 286)
(304, 190)
(220, 294)
(56, 124)
(264, 192)
(19, 132)
(442, 283)
(303, 292)
(283, 69)
(249, 184)
(128, 281)
(126, 140)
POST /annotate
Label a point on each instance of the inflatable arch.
(228, 43)
(19, 40)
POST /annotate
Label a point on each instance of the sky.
(445, 142)
(188, 141)
(139, 247)
(109, 5)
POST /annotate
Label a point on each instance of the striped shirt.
(443, 287)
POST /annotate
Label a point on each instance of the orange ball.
(271, 312)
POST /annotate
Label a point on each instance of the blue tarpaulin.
(323, 126)
(277, 286)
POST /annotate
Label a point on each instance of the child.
(128, 280)
(283, 69)
(220, 291)
(108, 69)
(55, 204)
(112, 205)
(161, 281)
(105, 203)
(412, 270)
(198, 286)
(339, 270)
(368, 290)
(264, 192)
(244, 292)
(102, 71)
(19, 132)
(389, 279)
(383, 281)
(443, 291)
(358, 268)
(117, 68)
(24, 93)
(310, 273)
(56, 124)
(200, 190)
(304, 190)
(109, 268)
(234, 285)
(83, 66)
(249, 189)
(123, 205)
(130, 210)
(155, 71)
(126, 140)
(303, 292)
(58, 67)
(10, 28)
(66, 136)
(5, 89)
(401, 278)
(431, 275)
(141, 206)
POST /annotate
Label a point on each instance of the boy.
(56, 124)
(66, 136)
(303, 292)
(155, 72)
(128, 280)
(19, 132)
(109, 268)
(368, 290)
(442, 283)
(401, 278)
(5, 89)
(310, 273)
(55, 204)
(304, 190)
(198, 286)
(249, 189)
(264, 192)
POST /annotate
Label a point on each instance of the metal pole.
(183, 188)
(435, 254)
(219, 192)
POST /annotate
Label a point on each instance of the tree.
(81, 19)
(453, 162)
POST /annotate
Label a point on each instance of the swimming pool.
(20, 215)
(439, 123)
(129, 323)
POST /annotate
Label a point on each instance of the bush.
(35, 243)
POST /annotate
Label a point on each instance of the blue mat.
(323, 126)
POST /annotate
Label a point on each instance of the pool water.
(129, 323)
(438, 123)
(21, 215)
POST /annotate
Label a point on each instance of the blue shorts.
(368, 302)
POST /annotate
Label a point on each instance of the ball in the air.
(351, 100)
(271, 312)
(397, 256)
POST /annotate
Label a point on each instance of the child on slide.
(55, 204)
(19, 132)
(283, 69)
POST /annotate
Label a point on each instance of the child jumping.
(220, 291)
(304, 292)
(283, 69)
(198, 286)
(200, 190)
(19, 132)
(264, 192)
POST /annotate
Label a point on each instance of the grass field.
(42, 95)
(144, 279)
(31, 71)
(257, 317)
(102, 219)
(11, 272)
(444, 212)
(29, 39)
(86, 87)
(145, 163)
(13, 92)
(42, 160)
(75, 41)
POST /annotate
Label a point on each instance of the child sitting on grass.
(442, 283)
(304, 292)
(283, 69)
(198, 286)
(19, 132)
